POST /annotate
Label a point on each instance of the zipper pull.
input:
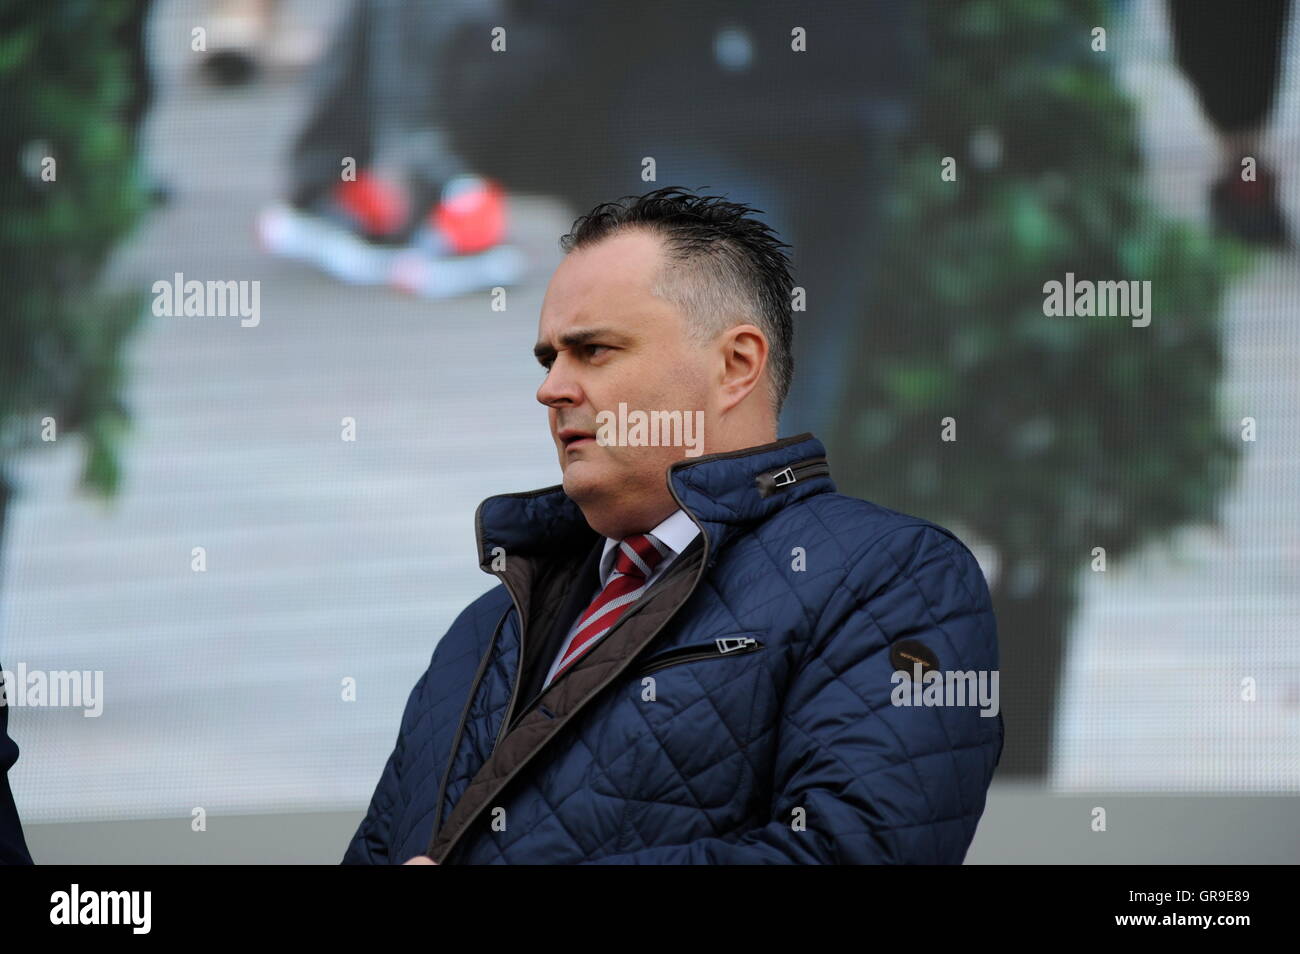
(773, 480)
(729, 644)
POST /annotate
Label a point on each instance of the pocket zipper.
(720, 647)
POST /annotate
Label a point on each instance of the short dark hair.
(730, 267)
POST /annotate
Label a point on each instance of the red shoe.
(354, 232)
(469, 218)
(378, 209)
(461, 245)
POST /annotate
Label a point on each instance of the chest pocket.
(723, 647)
(689, 735)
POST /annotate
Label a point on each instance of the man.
(690, 658)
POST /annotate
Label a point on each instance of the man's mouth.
(570, 437)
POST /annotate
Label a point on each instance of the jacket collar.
(722, 493)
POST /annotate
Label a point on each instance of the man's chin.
(584, 480)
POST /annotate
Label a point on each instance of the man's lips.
(573, 438)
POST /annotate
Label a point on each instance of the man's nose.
(560, 385)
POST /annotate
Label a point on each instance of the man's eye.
(591, 350)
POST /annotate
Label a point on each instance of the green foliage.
(1072, 431)
(63, 81)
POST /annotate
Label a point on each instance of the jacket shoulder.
(859, 524)
(871, 538)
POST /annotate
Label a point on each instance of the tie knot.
(638, 555)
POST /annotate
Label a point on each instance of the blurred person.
(695, 649)
(1232, 54)
(245, 37)
(131, 34)
(377, 195)
(789, 108)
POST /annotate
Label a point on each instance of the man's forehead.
(615, 267)
(625, 319)
(616, 298)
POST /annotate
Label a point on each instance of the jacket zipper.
(774, 480)
(723, 646)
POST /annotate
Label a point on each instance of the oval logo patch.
(907, 653)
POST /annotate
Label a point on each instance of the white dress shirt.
(676, 532)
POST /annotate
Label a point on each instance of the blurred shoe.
(470, 217)
(317, 240)
(374, 207)
(234, 38)
(354, 233)
(241, 49)
(361, 233)
(460, 247)
(1249, 210)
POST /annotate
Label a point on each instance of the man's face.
(605, 339)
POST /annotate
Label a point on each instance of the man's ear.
(744, 353)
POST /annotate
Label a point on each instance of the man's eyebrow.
(574, 337)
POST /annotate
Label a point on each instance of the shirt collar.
(675, 532)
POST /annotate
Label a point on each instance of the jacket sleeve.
(859, 779)
(373, 839)
(13, 847)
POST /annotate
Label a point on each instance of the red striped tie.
(636, 558)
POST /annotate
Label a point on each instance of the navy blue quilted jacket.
(742, 712)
